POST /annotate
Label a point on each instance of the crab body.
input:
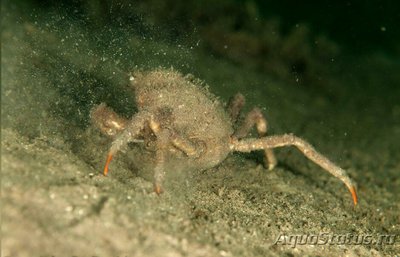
(187, 109)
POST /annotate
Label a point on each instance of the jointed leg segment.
(251, 144)
(128, 135)
(236, 104)
(159, 171)
(253, 118)
(186, 146)
(107, 120)
(164, 139)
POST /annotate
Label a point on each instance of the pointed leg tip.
(109, 158)
(269, 165)
(354, 195)
(158, 189)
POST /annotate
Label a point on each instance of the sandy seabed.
(55, 202)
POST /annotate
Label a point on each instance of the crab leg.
(255, 117)
(251, 144)
(235, 106)
(159, 171)
(128, 135)
(109, 122)
(109, 158)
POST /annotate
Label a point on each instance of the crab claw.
(109, 158)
